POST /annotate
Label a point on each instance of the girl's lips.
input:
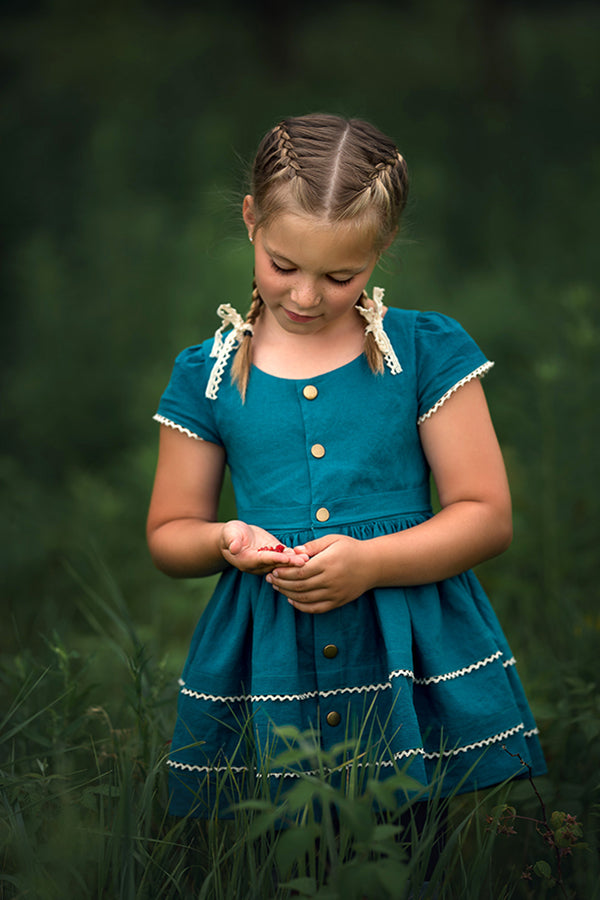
(297, 318)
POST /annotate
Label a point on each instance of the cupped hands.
(336, 573)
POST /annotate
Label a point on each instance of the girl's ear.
(248, 214)
(390, 241)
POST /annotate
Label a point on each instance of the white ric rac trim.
(402, 754)
(477, 373)
(171, 424)
(362, 689)
(309, 695)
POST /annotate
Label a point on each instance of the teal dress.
(425, 673)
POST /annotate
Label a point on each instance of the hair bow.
(374, 316)
(222, 347)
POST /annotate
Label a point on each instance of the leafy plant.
(561, 832)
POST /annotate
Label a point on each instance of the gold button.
(318, 451)
(322, 514)
(310, 391)
(333, 718)
(330, 651)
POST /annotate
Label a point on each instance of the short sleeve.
(447, 357)
(183, 405)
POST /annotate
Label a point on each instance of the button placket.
(317, 450)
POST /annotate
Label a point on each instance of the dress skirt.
(418, 678)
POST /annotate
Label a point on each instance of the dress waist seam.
(328, 512)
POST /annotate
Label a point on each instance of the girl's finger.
(294, 576)
(315, 608)
(316, 546)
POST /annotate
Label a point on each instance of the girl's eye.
(280, 269)
(341, 281)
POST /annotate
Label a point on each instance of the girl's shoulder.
(183, 404)
(196, 356)
(430, 336)
(422, 326)
(438, 351)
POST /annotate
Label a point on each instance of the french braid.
(288, 159)
(389, 180)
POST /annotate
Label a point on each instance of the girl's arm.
(474, 524)
(475, 520)
(184, 536)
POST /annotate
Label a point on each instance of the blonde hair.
(339, 170)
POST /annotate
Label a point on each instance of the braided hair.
(343, 171)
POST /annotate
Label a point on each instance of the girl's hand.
(242, 546)
(335, 574)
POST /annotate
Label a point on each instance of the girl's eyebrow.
(281, 257)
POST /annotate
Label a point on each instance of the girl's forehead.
(315, 236)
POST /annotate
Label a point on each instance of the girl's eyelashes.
(280, 268)
(340, 281)
(282, 271)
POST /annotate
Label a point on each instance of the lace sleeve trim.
(171, 424)
(476, 373)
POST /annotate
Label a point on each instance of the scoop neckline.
(311, 378)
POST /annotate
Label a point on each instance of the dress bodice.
(343, 447)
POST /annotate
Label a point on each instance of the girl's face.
(309, 273)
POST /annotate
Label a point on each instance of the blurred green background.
(127, 129)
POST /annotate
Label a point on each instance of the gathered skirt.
(422, 676)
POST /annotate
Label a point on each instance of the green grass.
(83, 795)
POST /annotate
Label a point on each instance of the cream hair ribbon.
(374, 316)
(222, 347)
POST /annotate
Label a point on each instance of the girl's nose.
(305, 295)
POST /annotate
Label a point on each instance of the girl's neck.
(287, 355)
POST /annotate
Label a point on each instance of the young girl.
(344, 605)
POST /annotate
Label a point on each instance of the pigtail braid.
(242, 361)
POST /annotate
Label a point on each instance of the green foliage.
(561, 833)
